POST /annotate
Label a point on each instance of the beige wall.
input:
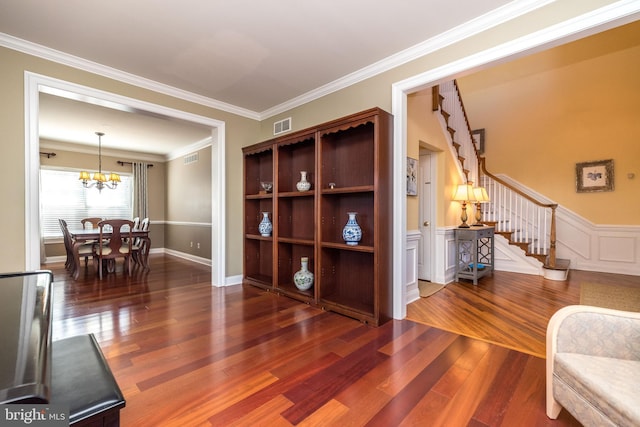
(188, 203)
(375, 91)
(240, 131)
(576, 103)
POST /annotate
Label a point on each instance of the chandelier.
(99, 179)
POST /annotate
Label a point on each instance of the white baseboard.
(199, 260)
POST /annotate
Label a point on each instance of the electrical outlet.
(191, 244)
(198, 245)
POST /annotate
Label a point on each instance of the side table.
(474, 252)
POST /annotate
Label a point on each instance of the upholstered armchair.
(593, 365)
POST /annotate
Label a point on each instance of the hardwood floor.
(188, 354)
(508, 309)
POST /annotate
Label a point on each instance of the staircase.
(522, 219)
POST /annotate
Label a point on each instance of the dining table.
(80, 236)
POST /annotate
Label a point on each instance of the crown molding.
(59, 57)
(468, 29)
(477, 25)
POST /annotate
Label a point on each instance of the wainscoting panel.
(603, 248)
(411, 273)
(589, 246)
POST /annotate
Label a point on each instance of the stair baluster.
(520, 217)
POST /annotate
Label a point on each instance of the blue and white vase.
(303, 184)
(303, 279)
(352, 233)
(265, 227)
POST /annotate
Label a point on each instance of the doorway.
(426, 212)
(35, 83)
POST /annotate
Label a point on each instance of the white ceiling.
(254, 55)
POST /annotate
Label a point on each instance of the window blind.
(63, 196)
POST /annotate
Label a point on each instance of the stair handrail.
(484, 170)
(455, 116)
(551, 258)
(457, 110)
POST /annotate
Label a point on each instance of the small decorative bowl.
(266, 186)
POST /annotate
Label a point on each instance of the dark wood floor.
(187, 354)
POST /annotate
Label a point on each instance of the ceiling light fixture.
(99, 179)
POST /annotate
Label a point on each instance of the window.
(63, 196)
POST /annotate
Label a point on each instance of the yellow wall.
(576, 103)
(240, 131)
(424, 130)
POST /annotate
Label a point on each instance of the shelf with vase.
(290, 256)
(296, 158)
(258, 194)
(326, 177)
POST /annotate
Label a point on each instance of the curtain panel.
(140, 190)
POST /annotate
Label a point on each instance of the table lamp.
(480, 196)
(464, 194)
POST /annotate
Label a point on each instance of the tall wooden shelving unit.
(295, 211)
(258, 250)
(354, 153)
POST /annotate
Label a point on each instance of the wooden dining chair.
(90, 223)
(67, 243)
(117, 245)
(83, 250)
(140, 249)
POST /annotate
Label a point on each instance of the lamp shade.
(84, 176)
(114, 177)
(464, 193)
(480, 195)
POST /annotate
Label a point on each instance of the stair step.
(506, 234)
(522, 245)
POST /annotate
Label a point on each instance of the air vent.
(191, 158)
(282, 126)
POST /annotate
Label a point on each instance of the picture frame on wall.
(412, 177)
(478, 139)
(594, 176)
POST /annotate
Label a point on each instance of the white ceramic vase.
(303, 279)
(303, 184)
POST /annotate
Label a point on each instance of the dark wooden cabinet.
(348, 163)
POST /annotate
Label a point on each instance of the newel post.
(552, 238)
